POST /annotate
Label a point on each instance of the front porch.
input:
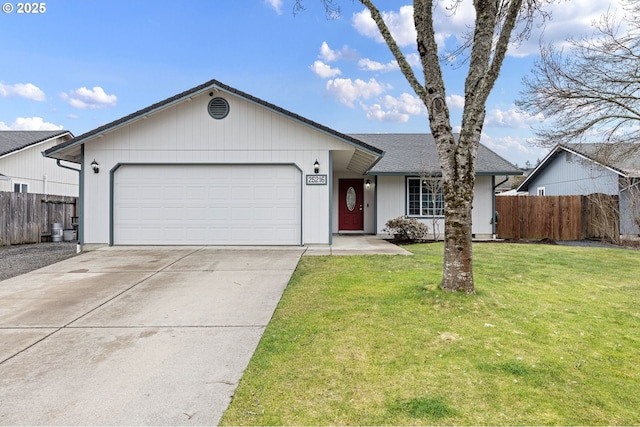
(356, 244)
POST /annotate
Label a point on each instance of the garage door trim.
(120, 164)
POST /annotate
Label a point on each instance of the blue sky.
(82, 63)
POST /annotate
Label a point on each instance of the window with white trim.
(424, 197)
(541, 191)
(19, 187)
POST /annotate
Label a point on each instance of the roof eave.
(499, 173)
(524, 185)
(438, 173)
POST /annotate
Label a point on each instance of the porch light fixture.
(95, 166)
(316, 167)
(367, 184)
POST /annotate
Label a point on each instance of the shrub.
(406, 229)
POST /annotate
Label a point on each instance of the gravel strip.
(20, 259)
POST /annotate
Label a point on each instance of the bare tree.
(433, 201)
(486, 45)
(592, 91)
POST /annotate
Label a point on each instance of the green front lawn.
(552, 337)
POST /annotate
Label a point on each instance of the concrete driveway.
(135, 336)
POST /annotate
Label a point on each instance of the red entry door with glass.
(351, 205)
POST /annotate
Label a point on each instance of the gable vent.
(218, 108)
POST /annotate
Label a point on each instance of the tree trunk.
(457, 161)
(457, 157)
(458, 267)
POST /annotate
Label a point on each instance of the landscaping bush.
(406, 229)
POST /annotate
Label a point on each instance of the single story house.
(24, 169)
(217, 166)
(589, 168)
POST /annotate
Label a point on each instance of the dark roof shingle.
(416, 154)
(14, 140)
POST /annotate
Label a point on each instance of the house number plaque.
(316, 179)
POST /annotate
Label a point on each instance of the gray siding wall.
(569, 174)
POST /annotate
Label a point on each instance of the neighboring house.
(24, 169)
(583, 169)
(214, 165)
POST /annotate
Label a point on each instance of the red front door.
(351, 204)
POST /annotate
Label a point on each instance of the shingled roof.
(15, 140)
(416, 154)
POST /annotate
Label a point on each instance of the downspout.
(494, 219)
(80, 199)
(67, 167)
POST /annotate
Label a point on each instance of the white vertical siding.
(30, 167)
(391, 195)
(482, 212)
(392, 203)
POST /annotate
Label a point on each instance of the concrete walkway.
(142, 335)
(356, 244)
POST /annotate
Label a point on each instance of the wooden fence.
(558, 217)
(26, 217)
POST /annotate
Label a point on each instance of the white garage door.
(207, 205)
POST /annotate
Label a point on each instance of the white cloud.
(455, 101)
(367, 64)
(91, 99)
(73, 116)
(516, 149)
(568, 18)
(573, 18)
(275, 5)
(508, 145)
(446, 23)
(323, 70)
(29, 123)
(399, 23)
(377, 113)
(413, 59)
(511, 118)
(393, 109)
(23, 90)
(329, 55)
(347, 91)
(449, 24)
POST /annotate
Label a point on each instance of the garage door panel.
(200, 204)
